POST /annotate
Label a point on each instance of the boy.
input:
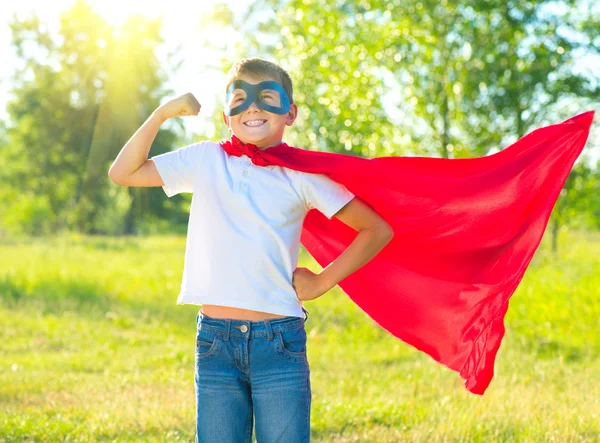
(241, 255)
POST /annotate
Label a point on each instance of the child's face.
(257, 126)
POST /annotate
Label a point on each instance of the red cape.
(465, 231)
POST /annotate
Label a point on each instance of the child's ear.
(225, 119)
(292, 114)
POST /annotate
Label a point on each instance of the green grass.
(94, 348)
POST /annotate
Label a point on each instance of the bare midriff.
(215, 311)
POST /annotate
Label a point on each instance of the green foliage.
(578, 204)
(372, 78)
(79, 95)
(429, 78)
(456, 78)
(25, 213)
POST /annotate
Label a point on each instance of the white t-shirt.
(244, 227)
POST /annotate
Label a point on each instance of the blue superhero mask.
(268, 96)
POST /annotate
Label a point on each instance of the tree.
(79, 96)
(459, 79)
(578, 203)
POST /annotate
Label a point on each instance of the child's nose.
(253, 106)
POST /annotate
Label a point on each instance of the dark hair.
(259, 67)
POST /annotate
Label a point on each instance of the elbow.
(380, 229)
(113, 178)
(390, 235)
(383, 231)
(387, 232)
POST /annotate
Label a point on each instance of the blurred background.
(371, 78)
(94, 347)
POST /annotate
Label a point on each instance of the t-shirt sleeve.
(322, 193)
(177, 168)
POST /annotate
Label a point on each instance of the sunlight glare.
(183, 13)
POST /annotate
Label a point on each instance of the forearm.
(365, 246)
(135, 152)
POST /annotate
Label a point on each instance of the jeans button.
(244, 328)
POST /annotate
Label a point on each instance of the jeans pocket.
(206, 342)
(292, 342)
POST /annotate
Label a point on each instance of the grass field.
(94, 348)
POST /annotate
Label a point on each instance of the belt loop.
(227, 326)
(305, 313)
(268, 329)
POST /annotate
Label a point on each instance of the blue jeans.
(249, 370)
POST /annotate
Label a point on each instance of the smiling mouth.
(254, 123)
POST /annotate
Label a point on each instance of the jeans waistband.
(242, 328)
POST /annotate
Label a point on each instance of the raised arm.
(132, 167)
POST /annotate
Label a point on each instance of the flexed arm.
(132, 167)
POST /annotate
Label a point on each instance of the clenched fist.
(181, 106)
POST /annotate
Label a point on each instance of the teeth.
(254, 122)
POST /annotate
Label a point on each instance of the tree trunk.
(129, 224)
(555, 227)
(446, 129)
